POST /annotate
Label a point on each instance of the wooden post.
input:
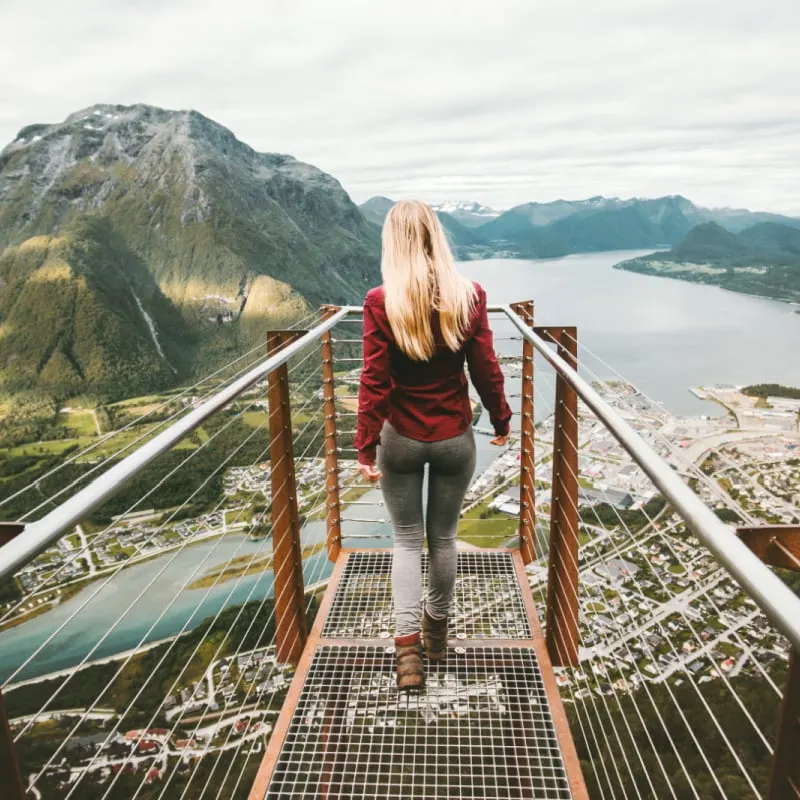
(779, 546)
(287, 556)
(11, 783)
(332, 500)
(562, 586)
(527, 484)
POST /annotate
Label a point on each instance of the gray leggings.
(402, 462)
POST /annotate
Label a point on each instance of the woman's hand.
(499, 441)
(370, 472)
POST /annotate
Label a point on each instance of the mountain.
(763, 259)
(469, 214)
(375, 209)
(232, 239)
(738, 219)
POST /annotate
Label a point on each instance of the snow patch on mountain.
(466, 206)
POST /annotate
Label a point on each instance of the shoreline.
(795, 302)
(93, 663)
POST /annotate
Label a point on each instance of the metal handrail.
(42, 533)
(771, 594)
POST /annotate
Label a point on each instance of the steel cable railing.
(618, 554)
(650, 428)
(217, 654)
(45, 531)
(155, 623)
(682, 613)
(579, 701)
(777, 601)
(759, 722)
(163, 524)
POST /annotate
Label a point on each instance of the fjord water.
(664, 335)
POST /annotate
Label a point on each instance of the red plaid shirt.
(425, 400)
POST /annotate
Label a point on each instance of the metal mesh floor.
(487, 603)
(481, 729)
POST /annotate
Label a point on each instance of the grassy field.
(79, 420)
(257, 418)
(493, 530)
(238, 516)
(132, 403)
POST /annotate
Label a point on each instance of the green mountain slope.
(80, 311)
(763, 259)
(237, 240)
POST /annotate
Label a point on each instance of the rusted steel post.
(776, 545)
(11, 784)
(562, 585)
(8, 530)
(779, 546)
(527, 484)
(287, 556)
(785, 781)
(332, 499)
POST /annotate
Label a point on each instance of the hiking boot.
(410, 673)
(434, 634)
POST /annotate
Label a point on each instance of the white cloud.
(501, 102)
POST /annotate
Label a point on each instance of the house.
(615, 498)
(508, 502)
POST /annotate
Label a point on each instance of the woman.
(419, 329)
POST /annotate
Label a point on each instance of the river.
(664, 335)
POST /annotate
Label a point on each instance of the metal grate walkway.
(489, 723)
(487, 603)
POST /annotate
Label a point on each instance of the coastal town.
(655, 605)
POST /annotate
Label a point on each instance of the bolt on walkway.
(489, 724)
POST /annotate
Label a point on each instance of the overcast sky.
(500, 101)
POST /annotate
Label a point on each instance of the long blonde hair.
(419, 276)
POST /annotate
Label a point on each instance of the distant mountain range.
(547, 230)
(763, 259)
(140, 244)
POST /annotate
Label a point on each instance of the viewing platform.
(489, 723)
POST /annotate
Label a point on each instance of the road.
(84, 548)
(677, 604)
